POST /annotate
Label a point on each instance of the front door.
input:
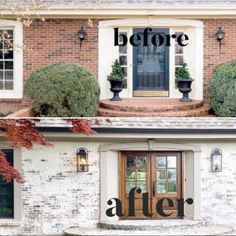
(158, 173)
(151, 67)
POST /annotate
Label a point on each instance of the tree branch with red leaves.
(23, 133)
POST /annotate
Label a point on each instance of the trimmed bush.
(63, 90)
(223, 90)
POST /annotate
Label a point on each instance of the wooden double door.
(157, 173)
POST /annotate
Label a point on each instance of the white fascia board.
(191, 11)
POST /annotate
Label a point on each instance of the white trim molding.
(160, 10)
(192, 53)
(17, 27)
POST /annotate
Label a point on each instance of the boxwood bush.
(223, 90)
(63, 90)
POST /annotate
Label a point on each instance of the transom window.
(6, 59)
(7, 192)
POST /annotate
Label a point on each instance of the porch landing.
(152, 227)
(152, 107)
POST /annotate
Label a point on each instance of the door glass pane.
(172, 174)
(166, 174)
(161, 174)
(141, 162)
(150, 63)
(142, 185)
(161, 187)
(130, 185)
(130, 162)
(131, 174)
(171, 161)
(141, 175)
(172, 187)
(161, 162)
(136, 172)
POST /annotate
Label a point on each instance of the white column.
(197, 185)
(107, 53)
(198, 63)
(109, 177)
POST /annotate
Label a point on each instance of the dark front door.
(158, 173)
(151, 67)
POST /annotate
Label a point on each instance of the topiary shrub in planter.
(183, 81)
(223, 90)
(63, 90)
(116, 78)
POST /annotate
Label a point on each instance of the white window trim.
(17, 92)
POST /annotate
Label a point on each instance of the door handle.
(154, 189)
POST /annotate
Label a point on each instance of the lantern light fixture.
(220, 34)
(82, 160)
(82, 35)
(216, 160)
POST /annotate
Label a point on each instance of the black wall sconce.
(82, 160)
(216, 160)
(82, 35)
(220, 34)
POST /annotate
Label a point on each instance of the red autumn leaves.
(22, 133)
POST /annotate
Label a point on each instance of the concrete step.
(147, 224)
(197, 112)
(187, 230)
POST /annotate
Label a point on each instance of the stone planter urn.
(116, 88)
(184, 86)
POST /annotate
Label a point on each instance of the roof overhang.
(181, 11)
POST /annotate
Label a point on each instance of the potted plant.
(183, 81)
(116, 78)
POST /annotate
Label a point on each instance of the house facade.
(166, 159)
(52, 37)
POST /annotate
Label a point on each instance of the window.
(6, 60)
(179, 52)
(7, 192)
(123, 59)
(11, 59)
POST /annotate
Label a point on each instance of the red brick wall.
(55, 41)
(212, 55)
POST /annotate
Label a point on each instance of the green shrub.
(223, 90)
(63, 90)
(182, 73)
(116, 73)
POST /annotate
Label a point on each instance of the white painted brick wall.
(56, 197)
(219, 189)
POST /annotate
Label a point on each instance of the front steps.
(152, 227)
(152, 107)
